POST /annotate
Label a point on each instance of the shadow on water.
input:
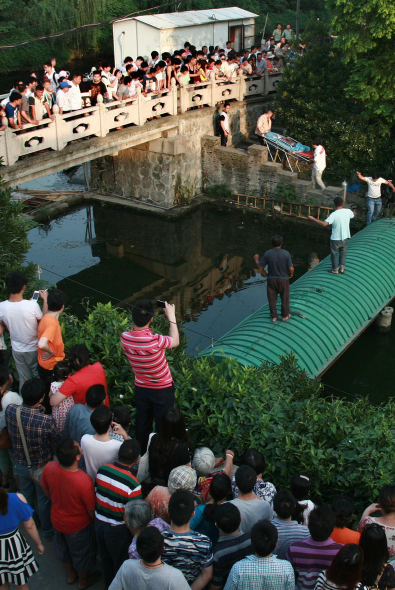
(202, 262)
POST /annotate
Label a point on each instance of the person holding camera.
(153, 382)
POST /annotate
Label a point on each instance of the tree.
(314, 103)
(14, 243)
(365, 34)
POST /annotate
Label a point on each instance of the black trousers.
(150, 404)
(113, 543)
(277, 287)
(224, 140)
(46, 375)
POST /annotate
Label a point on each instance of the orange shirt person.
(50, 341)
(343, 509)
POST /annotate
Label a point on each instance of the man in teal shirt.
(339, 219)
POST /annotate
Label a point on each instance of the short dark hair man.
(188, 551)
(115, 487)
(41, 436)
(340, 222)
(72, 494)
(374, 200)
(289, 530)
(12, 111)
(49, 335)
(150, 571)
(232, 545)
(78, 420)
(153, 382)
(20, 317)
(263, 565)
(224, 126)
(280, 270)
(310, 557)
(251, 507)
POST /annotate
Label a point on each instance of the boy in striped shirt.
(115, 487)
(145, 351)
(310, 557)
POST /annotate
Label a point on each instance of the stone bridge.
(108, 129)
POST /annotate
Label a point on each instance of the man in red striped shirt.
(153, 382)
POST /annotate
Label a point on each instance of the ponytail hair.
(220, 489)
(3, 501)
(78, 357)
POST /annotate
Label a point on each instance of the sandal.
(93, 579)
(333, 272)
(287, 317)
(341, 271)
(274, 320)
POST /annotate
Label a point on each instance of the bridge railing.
(105, 118)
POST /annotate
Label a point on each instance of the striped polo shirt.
(228, 551)
(289, 531)
(115, 486)
(188, 552)
(309, 558)
(145, 352)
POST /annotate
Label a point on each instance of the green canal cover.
(336, 308)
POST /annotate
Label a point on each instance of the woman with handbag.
(17, 562)
(6, 398)
(377, 574)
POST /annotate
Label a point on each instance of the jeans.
(374, 208)
(26, 365)
(29, 489)
(113, 543)
(316, 178)
(276, 287)
(338, 253)
(150, 404)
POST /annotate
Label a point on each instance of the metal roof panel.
(173, 20)
(336, 308)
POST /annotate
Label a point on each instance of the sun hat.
(182, 478)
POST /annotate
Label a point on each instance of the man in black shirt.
(280, 270)
(98, 87)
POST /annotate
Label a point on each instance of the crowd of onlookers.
(42, 94)
(161, 511)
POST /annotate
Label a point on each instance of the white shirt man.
(374, 194)
(74, 94)
(264, 124)
(319, 165)
(20, 317)
(62, 98)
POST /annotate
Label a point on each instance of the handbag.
(143, 471)
(35, 474)
(376, 583)
(5, 440)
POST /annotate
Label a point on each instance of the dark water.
(202, 262)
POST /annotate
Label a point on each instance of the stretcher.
(292, 151)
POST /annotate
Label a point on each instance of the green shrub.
(345, 446)
(220, 191)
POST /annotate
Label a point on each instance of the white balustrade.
(100, 120)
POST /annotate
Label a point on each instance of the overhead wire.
(85, 27)
(211, 338)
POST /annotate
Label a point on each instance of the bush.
(220, 191)
(345, 446)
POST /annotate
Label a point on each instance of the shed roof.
(335, 308)
(189, 18)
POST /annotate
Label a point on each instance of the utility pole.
(297, 19)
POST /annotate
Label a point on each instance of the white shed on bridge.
(167, 32)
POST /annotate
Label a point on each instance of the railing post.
(174, 96)
(265, 83)
(10, 158)
(60, 143)
(183, 99)
(242, 86)
(140, 105)
(101, 114)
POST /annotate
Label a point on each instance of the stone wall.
(150, 172)
(250, 173)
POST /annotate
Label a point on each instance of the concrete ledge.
(303, 186)
(231, 152)
(287, 177)
(259, 152)
(174, 145)
(272, 166)
(315, 192)
(333, 191)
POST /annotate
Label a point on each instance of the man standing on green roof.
(339, 219)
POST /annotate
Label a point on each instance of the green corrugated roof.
(337, 308)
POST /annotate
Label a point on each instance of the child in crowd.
(121, 415)
(59, 413)
(301, 487)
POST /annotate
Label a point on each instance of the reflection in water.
(202, 262)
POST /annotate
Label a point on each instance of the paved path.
(51, 575)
